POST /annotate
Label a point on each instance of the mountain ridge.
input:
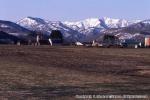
(85, 30)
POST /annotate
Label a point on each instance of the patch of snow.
(124, 36)
(4, 26)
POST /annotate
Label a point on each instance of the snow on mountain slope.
(115, 23)
(146, 21)
(76, 31)
(123, 36)
(101, 23)
(85, 24)
(90, 28)
(118, 23)
(37, 24)
(95, 26)
(41, 24)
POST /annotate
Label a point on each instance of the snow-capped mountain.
(34, 24)
(117, 23)
(141, 26)
(76, 31)
(88, 29)
(80, 26)
(100, 23)
(83, 30)
(91, 27)
(136, 31)
(97, 26)
(85, 24)
(44, 26)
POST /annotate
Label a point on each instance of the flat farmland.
(62, 72)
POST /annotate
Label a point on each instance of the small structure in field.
(95, 43)
(18, 43)
(78, 44)
(136, 46)
(87, 44)
(50, 42)
(131, 43)
(37, 40)
(147, 41)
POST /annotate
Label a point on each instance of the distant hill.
(6, 38)
(14, 29)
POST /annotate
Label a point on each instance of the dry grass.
(44, 72)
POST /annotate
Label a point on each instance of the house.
(131, 43)
(78, 44)
(96, 44)
(147, 41)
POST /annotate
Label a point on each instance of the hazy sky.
(73, 10)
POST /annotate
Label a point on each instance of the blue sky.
(73, 10)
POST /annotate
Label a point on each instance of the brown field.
(60, 73)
